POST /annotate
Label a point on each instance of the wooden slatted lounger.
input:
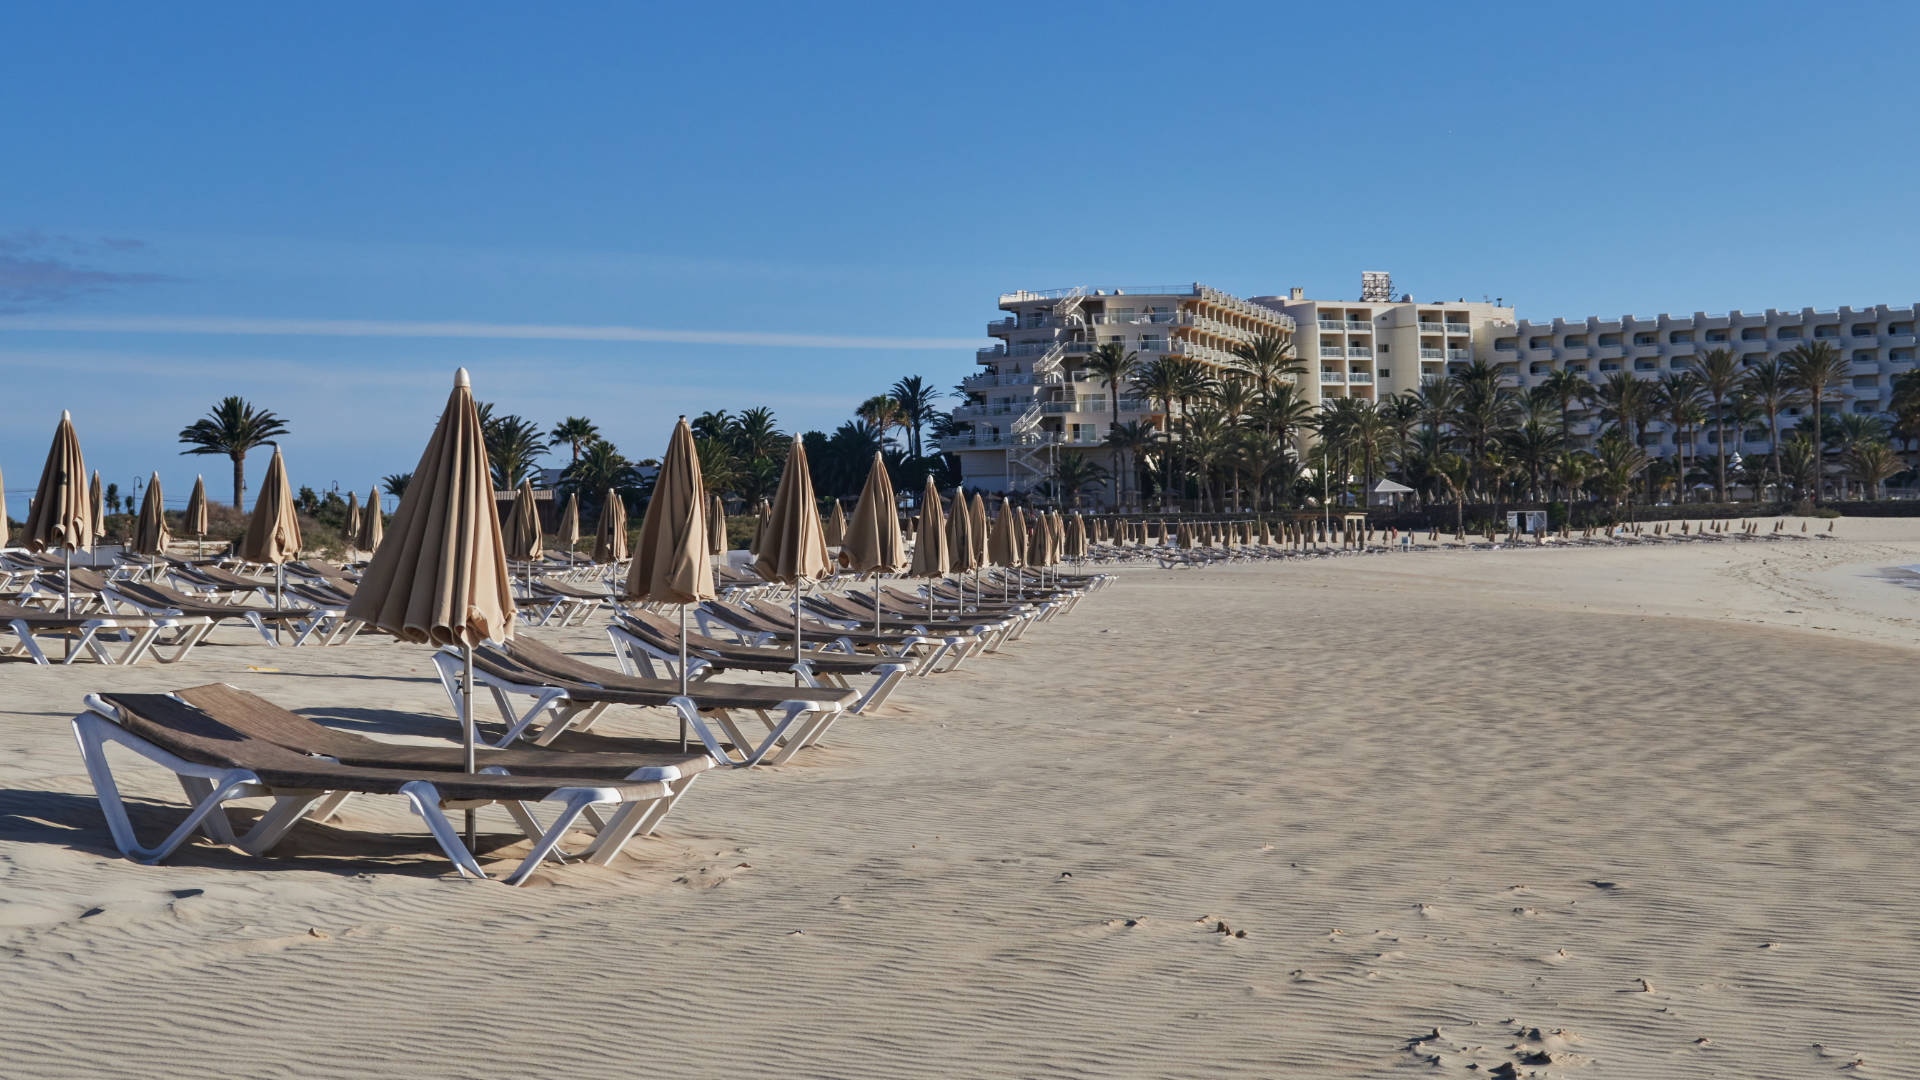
(572, 694)
(216, 763)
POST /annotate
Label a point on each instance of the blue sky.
(631, 212)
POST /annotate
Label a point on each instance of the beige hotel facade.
(1032, 397)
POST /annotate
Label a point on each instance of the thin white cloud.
(378, 328)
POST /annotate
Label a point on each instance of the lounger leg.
(634, 819)
(93, 732)
(21, 631)
(890, 677)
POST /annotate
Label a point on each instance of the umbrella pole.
(876, 603)
(682, 673)
(466, 728)
(279, 596)
(797, 586)
(68, 551)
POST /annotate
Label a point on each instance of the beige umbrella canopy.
(353, 519)
(1007, 544)
(977, 511)
(671, 562)
(441, 579)
(372, 530)
(1076, 546)
(960, 558)
(98, 503)
(522, 532)
(195, 519)
(930, 555)
(793, 547)
(59, 516)
(150, 530)
(610, 538)
(836, 526)
(1183, 537)
(569, 532)
(716, 525)
(872, 543)
(273, 533)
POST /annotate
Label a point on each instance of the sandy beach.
(1622, 813)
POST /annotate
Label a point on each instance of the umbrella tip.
(65, 416)
(460, 379)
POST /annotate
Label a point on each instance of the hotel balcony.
(1332, 324)
(1329, 375)
(1359, 326)
(1460, 354)
(1433, 354)
(1432, 327)
(1359, 376)
(1332, 352)
(1000, 440)
(1459, 328)
(1364, 351)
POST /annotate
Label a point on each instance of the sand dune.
(1633, 813)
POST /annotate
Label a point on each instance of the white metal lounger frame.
(142, 638)
(637, 658)
(302, 628)
(801, 725)
(209, 787)
(929, 647)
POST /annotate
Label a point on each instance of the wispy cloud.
(374, 328)
(39, 269)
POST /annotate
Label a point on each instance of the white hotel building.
(1033, 398)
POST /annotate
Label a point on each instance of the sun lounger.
(160, 600)
(216, 763)
(571, 694)
(641, 639)
(648, 761)
(772, 628)
(89, 635)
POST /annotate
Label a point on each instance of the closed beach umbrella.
(872, 544)
(1006, 545)
(930, 556)
(442, 577)
(522, 531)
(716, 525)
(569, 532)
(960, 547)
(794, 549)
(195, 520)
(1183, 538)
(671, 563)
(59, 515)
(150, 530)
(610, 539)
(836, 526)
(977, 510)
(98, 503)
(1077, 539)
(353, 518)
(273, 533)
(372, 529)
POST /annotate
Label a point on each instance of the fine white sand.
(1648, 812)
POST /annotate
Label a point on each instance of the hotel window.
(1863, 356)
(1645, 339)
(1862, 329)
(1900, 328)
(1609, 339)
(1901, 356)
(1826, 331)
(1752, 358)
(1789, 333)
(1716, 335)
(1385, 373)
(1866, 382)
(1506, 344)
(1680, 337)
(1539, 342)
(1867, 406)
(1576, 341)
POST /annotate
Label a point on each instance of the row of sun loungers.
(225, 744)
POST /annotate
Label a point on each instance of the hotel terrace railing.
(1459, 328)
(1432, 327)
(1332, 352)
(1360, 350)
(1433, 354)
(1359, 376)
(1329, 375)
(1001, 440)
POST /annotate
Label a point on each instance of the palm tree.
(720, 467)
(1564, 387)
(713, 424)
(598, 468)
(1905, 407)
(1533, 445)
(1719, 378)
(1281, 412)
(1627, 402)
(881, 413)
(1852, 431)
(513, 445)
(1768, 385)
(1615, 463)
(1116, 366)
(917, 404)
(233, 427)
(1800, 463)
(1269, 360)
(395, 484)
(1129, 442)
(1455, 473)
(1370, 433)
(758, 436)
(1484, 412)
(1072, 472)
(1871, 463)
(576, 432)
(1815, 368)
(1678, 396)
(1437, 399)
